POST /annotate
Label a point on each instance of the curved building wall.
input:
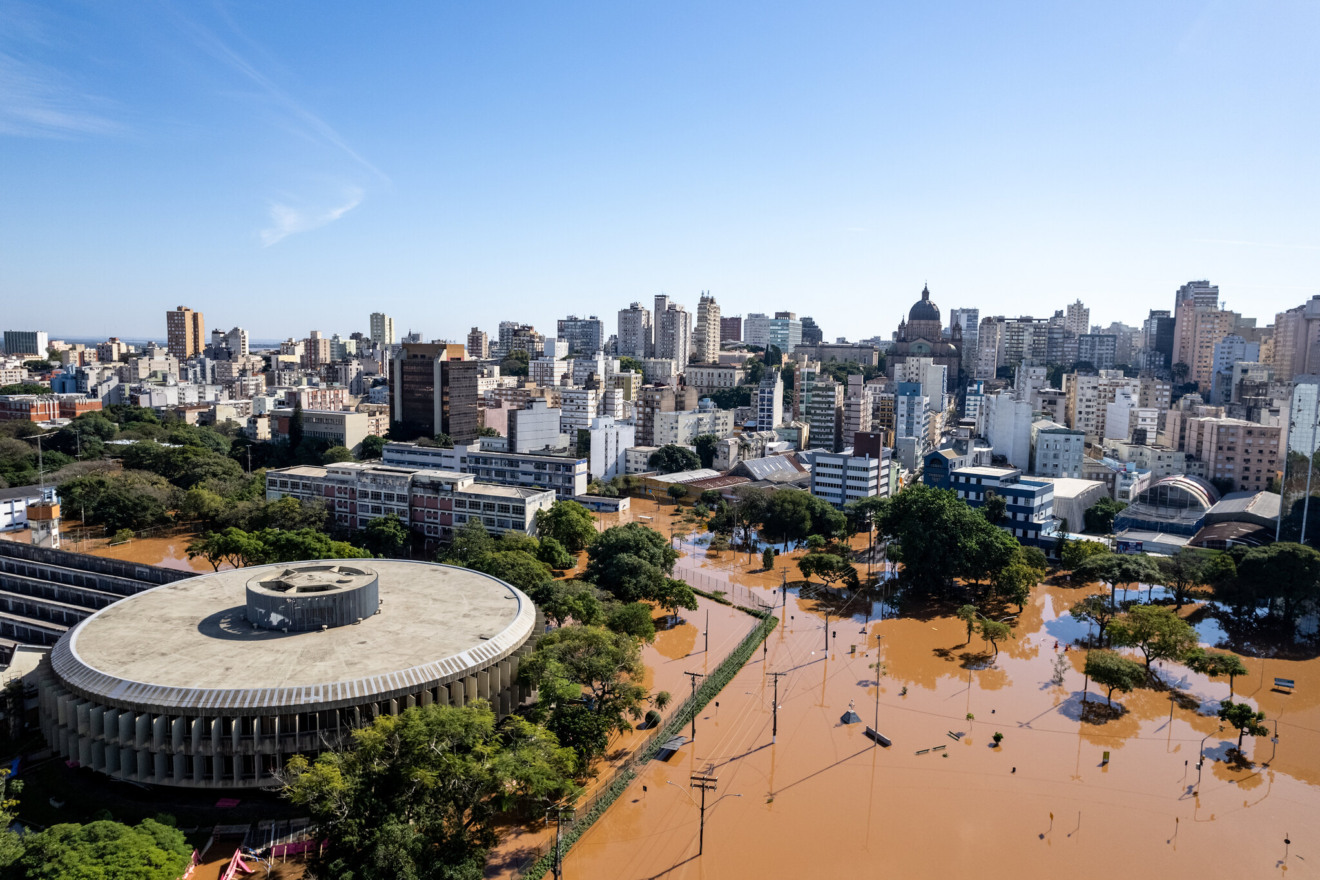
(142, 733)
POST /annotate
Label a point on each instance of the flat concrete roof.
(188, 645)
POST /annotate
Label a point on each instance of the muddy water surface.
(823, 801)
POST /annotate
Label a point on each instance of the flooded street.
(824, 800)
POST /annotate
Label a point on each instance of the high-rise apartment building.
(1157, 340)
(731, 329)
(653, 399)
(520, 337)
(582, 335)
(1296, 349)
(706, 334)
(1078, 319)
(382, 329)
(661, 305)
(1097, 349)
(636, 339)
(1240, 455)
(478, 344)
(185, 332)
(1089, 395)
(770, 400)
(673, 335)
(820, 405)
(756, 329)
(435, 391)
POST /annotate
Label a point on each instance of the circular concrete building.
(215, 681)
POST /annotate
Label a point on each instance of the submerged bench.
(1281, 684)
(878, 737)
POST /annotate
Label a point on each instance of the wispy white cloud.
(288, 220)
(38, 101)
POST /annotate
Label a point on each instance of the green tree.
(553, 554)
(1285, 573)
(934, 534)
(385, 536)
(669, 459)
(569, 600)
(630, 365)
(768, 558)
(336, 455)
(631, 618)
(1098, 610)
(1114, 672)
(1115, 569)
(828, 567)
(995, 508)
(968, 615)
(106, 850)
(419, 794)
(988, 550)
(11, 842)
(1015, 580)
(1244, 718)
(443, 440)
(373, 447)
(1182, 572)
(1214, 664)
(574, 662)
(515, 364)
(1074, 553)
(787, 516)
(677, 492)
(569, 523)
(516, 567)
(1157, 632)
(628, 561)
(706, 447)
(471, 541)
(994, 632)
(1099, 517)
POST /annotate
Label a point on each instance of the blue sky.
(292, 166)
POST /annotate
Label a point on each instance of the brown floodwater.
(824, 801)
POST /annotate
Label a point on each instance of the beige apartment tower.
(185, 332)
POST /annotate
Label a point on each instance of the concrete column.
(144, 765)
(427, 697)
(84, 751)
(176, 734)
(158, 727)
(83, 712)
(127, 723)
(199, 768)
(442, 695)
(197, 730)
(179, 766)
(110, 725)
(143, 730)
(98, 756)
(483, 684)
(505, 703)
(160, 766)
(458, 693)
(112, 760)
(470, 687)
(394, 706)
(96, 722)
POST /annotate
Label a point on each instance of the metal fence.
(720, 584)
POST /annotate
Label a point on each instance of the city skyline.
(458, 168)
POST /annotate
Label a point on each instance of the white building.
(682, 428)
(712, 378)
(673, 335)
(610, 441)
(1008, 427)
(912, 414)
(770, 400)
(578, 408)
(1056, 450)
(1088, 395)
(756, 329)
(26, 343)
(840, 477)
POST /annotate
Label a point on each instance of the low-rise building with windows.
(1030, 503)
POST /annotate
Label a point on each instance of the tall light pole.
(694, 676)
(774, 723)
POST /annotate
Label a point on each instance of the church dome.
(924, 309)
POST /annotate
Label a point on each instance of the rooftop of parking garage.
(188, 645)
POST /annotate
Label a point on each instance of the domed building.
(922, 335)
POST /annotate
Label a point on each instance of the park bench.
(878, 737)
(1284, 684)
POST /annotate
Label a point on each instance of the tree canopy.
(669, 459)
(1157, 632)
(417, 795)
(569, 523)
(1113, 671)
(106, 850)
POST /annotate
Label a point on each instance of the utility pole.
(827, 631)
(558, 810)
(774, 724)
(694, 676)
(707, 633)
(705, 782)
